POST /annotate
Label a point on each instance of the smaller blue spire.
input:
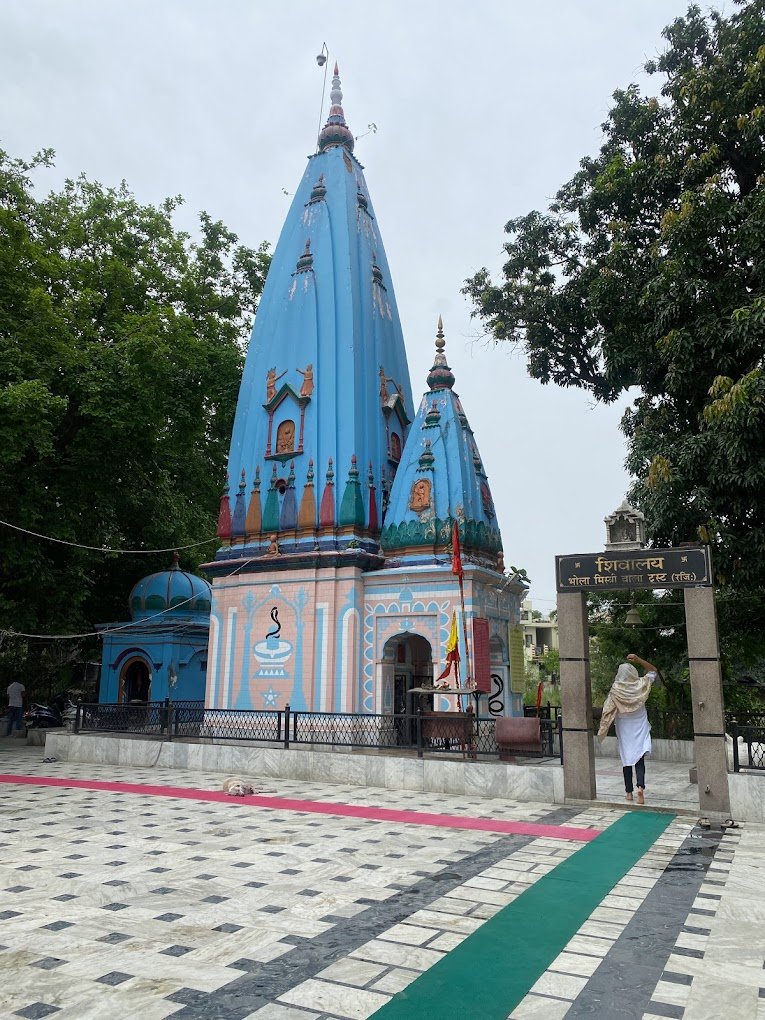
(441, 479)
(240, 511)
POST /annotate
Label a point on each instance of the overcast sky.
(482, 109)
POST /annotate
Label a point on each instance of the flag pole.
(465, 636)
(457, 569)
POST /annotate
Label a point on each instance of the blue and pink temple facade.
(333, 587)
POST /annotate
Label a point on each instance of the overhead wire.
(108, 549)
(112, 630)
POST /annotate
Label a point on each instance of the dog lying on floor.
(235, 787)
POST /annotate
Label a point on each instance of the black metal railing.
(543, 712)
(670, 723)
(748, 738)
(424, 732)
(231, 724)
(149, 718)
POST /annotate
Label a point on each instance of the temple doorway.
(135, 682)
(412, 667)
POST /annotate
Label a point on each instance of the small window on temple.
(395, 446)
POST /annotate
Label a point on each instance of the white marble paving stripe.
(731, 971)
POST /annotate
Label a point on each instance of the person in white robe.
(625, 708)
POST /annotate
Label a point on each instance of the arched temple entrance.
(407, 664)
(135, 681)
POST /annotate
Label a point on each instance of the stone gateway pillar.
(576, 697)
(707, 695)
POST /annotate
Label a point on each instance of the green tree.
(549, 666)
(648, 271)
(121, 348)
(660, 638)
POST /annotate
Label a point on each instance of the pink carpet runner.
(377, 814)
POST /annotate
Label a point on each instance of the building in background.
(540, 634)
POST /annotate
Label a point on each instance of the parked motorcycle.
(39, 716)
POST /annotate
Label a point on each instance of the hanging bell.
(633, 617)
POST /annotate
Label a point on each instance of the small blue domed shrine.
(162, 652)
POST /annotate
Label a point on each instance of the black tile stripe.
(665, 1009)
(623, 984)
(677, 979)
(264, 983)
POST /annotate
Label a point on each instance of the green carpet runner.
(489, 973)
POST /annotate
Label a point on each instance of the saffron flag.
(456, 554)
(452, 651)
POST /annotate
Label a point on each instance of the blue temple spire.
(326, 380)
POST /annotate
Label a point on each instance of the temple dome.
(172, 589)
(440, 479)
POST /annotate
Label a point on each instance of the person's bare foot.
(628, 796)
(640, 797)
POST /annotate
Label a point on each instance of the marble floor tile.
(537, 1007)
(575, 963)
(340, 1001)
(352, 972)
(394, 981)
(562, 986)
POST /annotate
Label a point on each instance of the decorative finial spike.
(441, 376)
(336, 132)
(440, 342)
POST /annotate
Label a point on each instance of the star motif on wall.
(269, 697)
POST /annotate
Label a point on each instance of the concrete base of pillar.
(578, 765)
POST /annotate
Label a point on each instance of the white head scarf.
(628, 693)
